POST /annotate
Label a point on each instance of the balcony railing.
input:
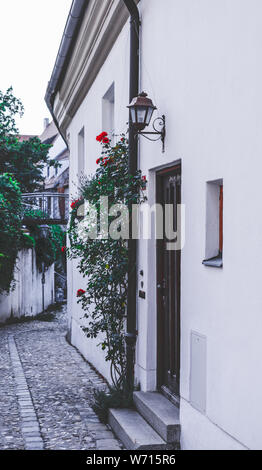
(46, 208)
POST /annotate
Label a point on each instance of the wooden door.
(168, 287)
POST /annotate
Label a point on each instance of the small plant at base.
(114, 398)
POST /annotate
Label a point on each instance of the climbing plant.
(47, 248)
(10, 229)
(104, 261)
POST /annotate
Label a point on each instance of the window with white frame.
(81, 153)
(214, 224)
(108, 111)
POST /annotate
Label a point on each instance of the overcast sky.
(30, 35)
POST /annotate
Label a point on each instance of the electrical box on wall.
(198, 372)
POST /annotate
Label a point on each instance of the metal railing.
(46, 207)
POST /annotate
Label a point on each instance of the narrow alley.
(46, 389)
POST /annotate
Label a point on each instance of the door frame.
(167, 171)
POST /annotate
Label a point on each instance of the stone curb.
(29, 422)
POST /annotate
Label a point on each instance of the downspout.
(132, 167)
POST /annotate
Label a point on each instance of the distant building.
(56, 179)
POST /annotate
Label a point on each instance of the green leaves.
(21, 165)
(27, 241)
(10, 107)
(24, 160)
(10, 229)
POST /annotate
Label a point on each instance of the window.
(221, 219)
(108, 111)
(81, 153)
(48, 171)
(214, 224)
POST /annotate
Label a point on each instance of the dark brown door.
(168, 286)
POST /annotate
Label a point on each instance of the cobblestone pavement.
(57, 415)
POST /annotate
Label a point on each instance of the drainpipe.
(130, 336)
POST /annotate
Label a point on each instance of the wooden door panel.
(168, 291)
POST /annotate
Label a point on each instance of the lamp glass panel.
(149, 115)
(133, 115)
(141, 114)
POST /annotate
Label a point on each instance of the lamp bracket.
(159, 126)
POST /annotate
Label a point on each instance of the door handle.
(162, 285)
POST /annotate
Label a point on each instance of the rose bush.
(104, 262)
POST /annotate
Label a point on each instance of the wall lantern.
(141, 111)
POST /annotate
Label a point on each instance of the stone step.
(160, 413)
(134, 432)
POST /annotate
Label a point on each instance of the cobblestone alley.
(46, 390)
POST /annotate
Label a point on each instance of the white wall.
(200, 63)
(26, 298)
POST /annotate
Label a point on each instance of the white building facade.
(56, 178)
(200, 65)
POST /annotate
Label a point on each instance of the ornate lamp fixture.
(141, 111)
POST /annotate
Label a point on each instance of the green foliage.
(27, 241)
(104, 262)
(10, 107)
(24, 160)
(115, 398)
(58, 240)
(10, 229)
(46, 316)
(33, 216)
(21, 165)
(48, 249)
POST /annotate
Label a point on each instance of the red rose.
(101, 136)
(63, 249)
(74, 203)
(144, 183)
(105, 140)
(80, 292)
(98, 160)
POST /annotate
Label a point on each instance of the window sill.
(216, 262)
